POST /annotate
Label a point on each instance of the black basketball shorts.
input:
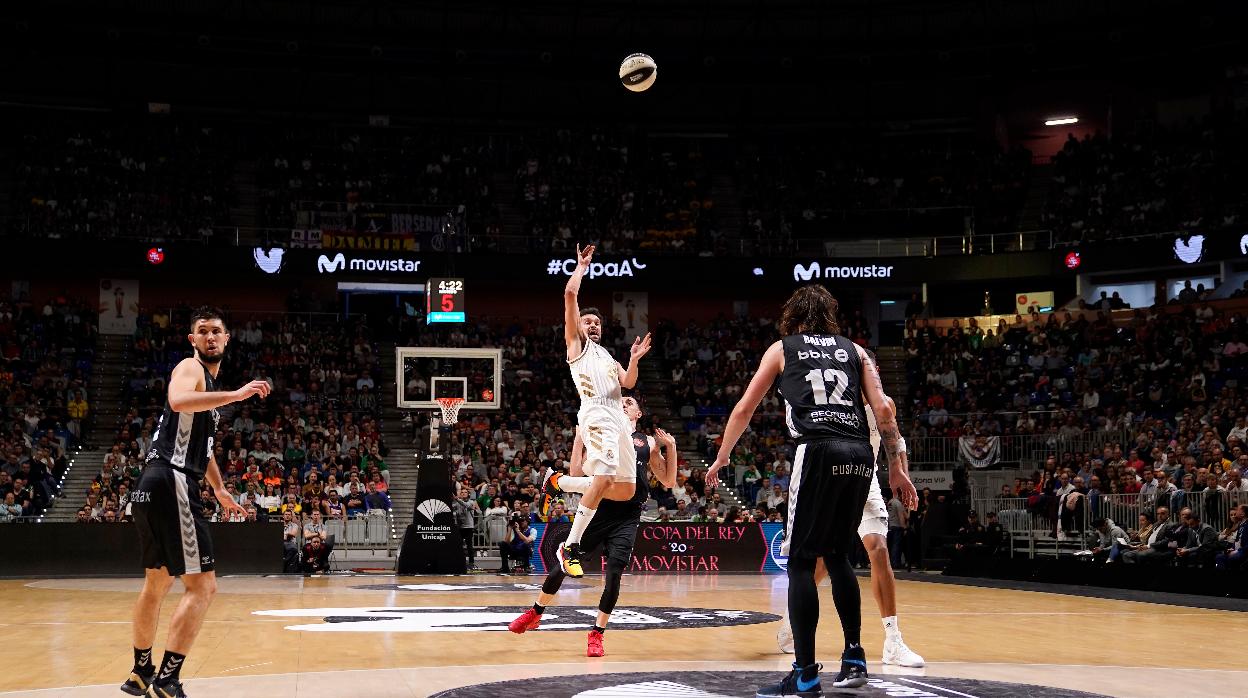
(169, 516)
(827, 490)
(616, 529)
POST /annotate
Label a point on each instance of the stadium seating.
(47, 354)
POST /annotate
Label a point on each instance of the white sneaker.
(784, 636)
(896, 652)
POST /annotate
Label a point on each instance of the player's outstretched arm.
(641, 347)
(571, 307)
(770, 368)
(186, 392)
(663, 465)
(576, 467)
(890, 435)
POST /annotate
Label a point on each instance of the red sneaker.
(595, 645)
(527, 621)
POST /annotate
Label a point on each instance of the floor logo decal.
(743, 684)
(440, 619)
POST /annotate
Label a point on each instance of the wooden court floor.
(408, 636)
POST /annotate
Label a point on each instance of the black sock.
(539, 609)
(170, 667)
(599, 629)
(143, 661)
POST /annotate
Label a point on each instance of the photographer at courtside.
(517, 543)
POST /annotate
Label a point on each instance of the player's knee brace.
(611, 585)
(553, 581)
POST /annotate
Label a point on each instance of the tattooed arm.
(890, 435)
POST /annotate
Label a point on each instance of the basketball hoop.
(450, 409)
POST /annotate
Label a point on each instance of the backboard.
(427, 373)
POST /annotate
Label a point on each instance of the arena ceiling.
(727, 59)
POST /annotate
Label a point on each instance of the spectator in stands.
(377, 500)
(355, 502)
(1173, 537)
(1234, 540)
(1109, 538)
(971, 541)
(316, 544)
(682, 512)
(290, 542)
(466, 512)
(10, 510)
(994, 533)
(1201, 544)
(896, 529)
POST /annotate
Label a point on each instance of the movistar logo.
(816, 271)
(269, 261)
(329, 266)
(339, 262)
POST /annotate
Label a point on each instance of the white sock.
(580, 523)
(579, 485)
(891, 630)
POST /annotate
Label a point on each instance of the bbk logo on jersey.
(639, 443)
(838, 355)
(440, 619)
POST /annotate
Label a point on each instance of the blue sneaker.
(801, 682)
(853, 672)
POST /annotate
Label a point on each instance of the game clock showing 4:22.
(444, 301)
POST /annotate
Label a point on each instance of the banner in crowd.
(980, 451)
(119, 306)
(680, 547)
(632, 311)
(319, 239)
(933, 479)
(387, 220)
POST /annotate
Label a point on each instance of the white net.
(450, 410)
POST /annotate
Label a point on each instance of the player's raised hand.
(583, 257)
(261, 388)
(664, 438)
(641, 347)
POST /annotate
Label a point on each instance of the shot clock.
(444, 301)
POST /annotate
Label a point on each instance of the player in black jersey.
(824, 378)
(168, 513)
(614, 525)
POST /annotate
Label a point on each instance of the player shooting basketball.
(614, 528)
(610, 462)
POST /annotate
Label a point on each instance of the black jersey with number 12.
(822, 388)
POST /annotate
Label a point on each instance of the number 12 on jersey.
(819, 378)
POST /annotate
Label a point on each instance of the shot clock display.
(444, 301)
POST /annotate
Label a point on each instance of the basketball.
(638, 72)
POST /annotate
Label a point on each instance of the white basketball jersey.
(596, 374)
(875, 430)
(875, 449)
